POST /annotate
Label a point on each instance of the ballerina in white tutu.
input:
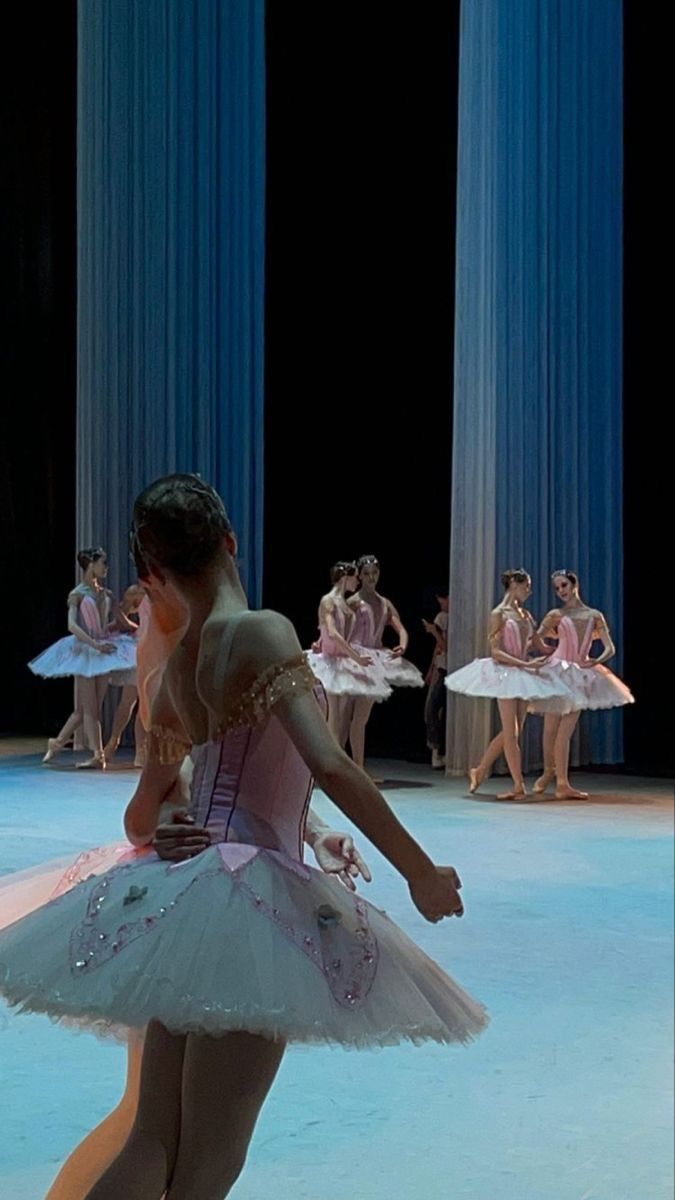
(347, 672)
(588, 682)
(510, 677)
(241, 947)
(89, 653)
(125, 621)
(176, 839)
(373, 613)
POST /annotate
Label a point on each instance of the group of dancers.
(205, 940)
(349, 660)
(547, 670)
(99, 651)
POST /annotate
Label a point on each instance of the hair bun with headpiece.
(514, 575)
(573, 578)
(179, 523)
(340, 569)
(91, 555)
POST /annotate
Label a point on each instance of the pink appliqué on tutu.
(585, 687)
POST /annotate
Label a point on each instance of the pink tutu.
(487, 678)
(399, 672)
(585, 688)
(23, 891)
(341, 676)
(366, 637)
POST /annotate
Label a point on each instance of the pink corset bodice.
(513, 641)
(93, 611)
(252, 786)
(367, 630)
(574, 640)
(344, 626)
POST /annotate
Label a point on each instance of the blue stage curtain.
(537, 455)
(171, 189)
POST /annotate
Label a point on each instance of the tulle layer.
(236, 938)
(70, 656)
(399, 672)
(585, 688)
(23, 891)
(341, 676)
(485, 677)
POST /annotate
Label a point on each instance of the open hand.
(336, 854)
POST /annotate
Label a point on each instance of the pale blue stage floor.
(567, 939)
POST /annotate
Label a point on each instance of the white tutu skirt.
(70, 656)
(585, 688)
(399, 672)
(341, 676)
(485, 677)
(233, 939)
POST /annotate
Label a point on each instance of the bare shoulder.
(552, 616)
(265, 638)
(235, 658)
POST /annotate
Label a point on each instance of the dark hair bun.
(514, 575)
(340, 569)
(179, 523)
(91, 555)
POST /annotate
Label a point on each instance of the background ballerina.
(574, 626)
(347, 674)
(125, 621)
(508, 676)
(89, 653)
(373, 613)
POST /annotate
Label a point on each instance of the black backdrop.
(361, 172)
(359, 317)
(37, 352)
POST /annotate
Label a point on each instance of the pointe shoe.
(110, 751)
(474, 780)
(544, 782)
(54, 747)
(516, 794)
(570, 793)
(96, 763)
(437, 761)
